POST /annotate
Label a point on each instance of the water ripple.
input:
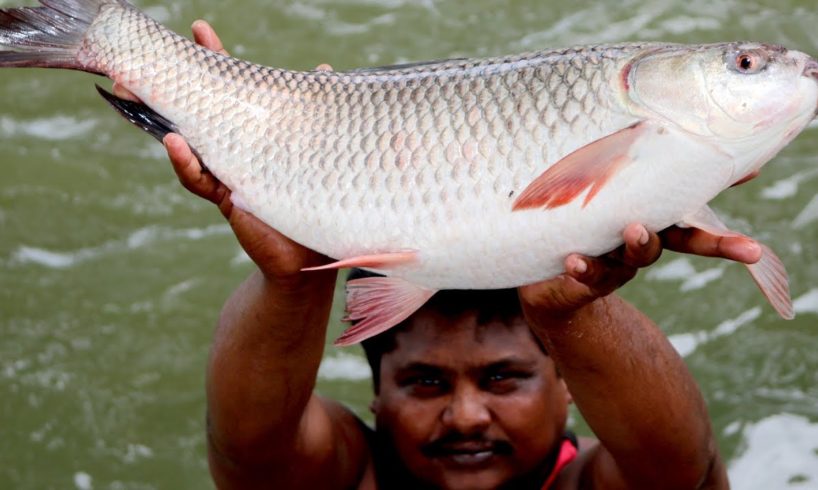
(143, 237)
(687, 343)
(53, 128)
(781, 451)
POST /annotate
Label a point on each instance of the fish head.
(730, 93)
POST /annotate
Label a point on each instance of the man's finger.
(204, 35)
(124, 93)
(642, 248)
(699, 242)
(189, 170)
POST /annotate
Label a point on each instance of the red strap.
(567, 454)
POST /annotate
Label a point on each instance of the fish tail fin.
(49, 36)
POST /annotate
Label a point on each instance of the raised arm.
(266, 428)
(630, 384)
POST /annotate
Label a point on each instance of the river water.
(112, 276)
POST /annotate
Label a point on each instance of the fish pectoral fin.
(768, 273)
(771, 277)
(590, 166)
(374, 261)
(377, 304)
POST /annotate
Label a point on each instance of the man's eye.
(504, 381)
(427, 382)
(424, 385)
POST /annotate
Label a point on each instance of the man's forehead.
(434, 338)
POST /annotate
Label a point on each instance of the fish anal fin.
(592, 166)
(139, 115)
(768, 273)
(377, 304)
(374, 261)
(145, 118)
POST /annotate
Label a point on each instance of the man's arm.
(266, 428)
(627, 380)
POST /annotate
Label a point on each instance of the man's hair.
(489, 304)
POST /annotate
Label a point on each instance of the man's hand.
(586, 278)
(275, 254)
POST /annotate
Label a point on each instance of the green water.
(111, 276)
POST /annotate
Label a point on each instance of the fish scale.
(468, 173)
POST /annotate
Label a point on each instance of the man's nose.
(467, 411)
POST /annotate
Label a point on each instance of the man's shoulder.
(571, 476)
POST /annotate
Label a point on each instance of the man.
(470, 392)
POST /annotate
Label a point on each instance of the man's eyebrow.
(421, 367)
(512, 362)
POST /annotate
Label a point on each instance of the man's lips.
(467, 453)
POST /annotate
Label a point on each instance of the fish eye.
(748, 62)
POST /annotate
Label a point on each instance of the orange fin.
(771, 277)
(378, 304)
(590, 166)
(769, 272)
(374, 261)
(752, 175)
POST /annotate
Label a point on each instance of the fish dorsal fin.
(378, 304)
(590, 166)
(374, 261)
(769, 272)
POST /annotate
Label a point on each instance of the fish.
(452, 174)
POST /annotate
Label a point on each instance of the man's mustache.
(459, 443)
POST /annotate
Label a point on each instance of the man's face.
(469, 406)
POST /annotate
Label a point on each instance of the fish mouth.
(811, 69)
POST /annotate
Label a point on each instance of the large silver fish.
(471, 173)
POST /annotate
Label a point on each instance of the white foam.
(807, 215)
(344, 366)
(683, 24)
(53, 260)
(780, 452)
(135, 452)
(240, 258)
(674, 270)
(48, 128)
(807, 302)
(140, 238)
(786, 188)
(83, 481)
(702, 279)
(687, 343)
(781, 189)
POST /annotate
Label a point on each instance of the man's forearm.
(263, 364)
(633, 389)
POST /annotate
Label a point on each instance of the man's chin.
(471, 472)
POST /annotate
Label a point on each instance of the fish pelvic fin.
(49, 36)
(768, 273)
(590, 166)
(376, 304)
(374, 261)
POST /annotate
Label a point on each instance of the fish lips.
(466, 452)
(811, 69)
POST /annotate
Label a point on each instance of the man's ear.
(374, 406)
(569, 399)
